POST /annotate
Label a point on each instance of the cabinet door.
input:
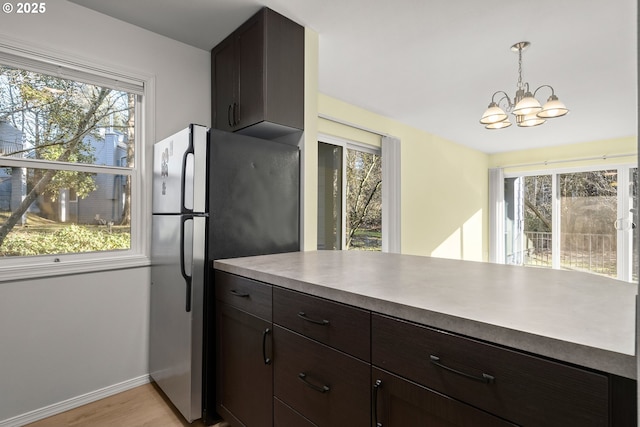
(224, 87)
(328, 387)
(251, 70)
(401, 403)
(526, 389)
(245, 373)
(285, 416)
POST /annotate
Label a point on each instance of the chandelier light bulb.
(527, 105)
(494, 114)
(499, 125)
(530, 120)
(553, 108)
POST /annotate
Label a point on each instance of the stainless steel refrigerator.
(215, 195)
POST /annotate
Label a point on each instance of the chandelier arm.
(536, 91)
(505, 96)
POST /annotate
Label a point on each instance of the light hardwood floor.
(141, 406)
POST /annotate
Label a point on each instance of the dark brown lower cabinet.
(286, 360)
(285, 416)
(326, 386)
(400, 403)
(245, 382)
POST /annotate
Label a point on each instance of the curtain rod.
(353, 125)
(581, 159)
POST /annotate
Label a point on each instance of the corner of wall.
(309, 149)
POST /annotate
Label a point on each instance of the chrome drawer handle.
(322, 322)
(321, 389)
(485, 378)
(239, 294)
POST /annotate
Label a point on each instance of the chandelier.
(525, 107)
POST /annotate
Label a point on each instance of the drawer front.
(284, 416)
(401, 403)
(244, 294)
(327, 387)
(337, 325)
(523, 389)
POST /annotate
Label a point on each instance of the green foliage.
(57, 119)
(69, 239)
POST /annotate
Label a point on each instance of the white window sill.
(48, 267)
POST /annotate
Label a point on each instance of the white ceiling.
(434, 64)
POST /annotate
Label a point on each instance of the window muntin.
(67, 160)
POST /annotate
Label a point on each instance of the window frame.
(19, 55)
(347, 144)
(624, 241)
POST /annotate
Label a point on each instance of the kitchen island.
(578, 319)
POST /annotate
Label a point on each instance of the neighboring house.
(106, 203)
(13, 181)
(102, 206)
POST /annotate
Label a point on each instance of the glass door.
(349, 197)
(574, 220)
(588, 221)
(528, 216)
(329, 196)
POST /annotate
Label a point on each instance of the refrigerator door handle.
(186, 251)
(187, 180)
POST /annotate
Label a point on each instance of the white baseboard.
(74, 402)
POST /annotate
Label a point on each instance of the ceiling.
(435, 64)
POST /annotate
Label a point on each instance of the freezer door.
(177, 282)
(180, 171)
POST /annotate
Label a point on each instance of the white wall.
(67, 336)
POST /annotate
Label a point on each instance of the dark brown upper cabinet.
(258, 78)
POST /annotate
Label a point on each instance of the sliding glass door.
(349, 197)
(574, 220)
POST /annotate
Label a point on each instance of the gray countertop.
(570, 316)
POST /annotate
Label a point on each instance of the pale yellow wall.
(309, 147)
(444, 185)
(596, 153)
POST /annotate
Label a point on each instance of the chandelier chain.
(520, 86)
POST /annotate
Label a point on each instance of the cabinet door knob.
(322, 322)
(229, 115)
(485, 378)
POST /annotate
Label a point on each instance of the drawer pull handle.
(376, 387)
(321, 389)
(239, 294)
(322, 322)
(485, 378)
(266, 332)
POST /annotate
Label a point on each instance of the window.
(349, 197)
(576, 220)
(68, 171)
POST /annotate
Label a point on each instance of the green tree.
(55, 115)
